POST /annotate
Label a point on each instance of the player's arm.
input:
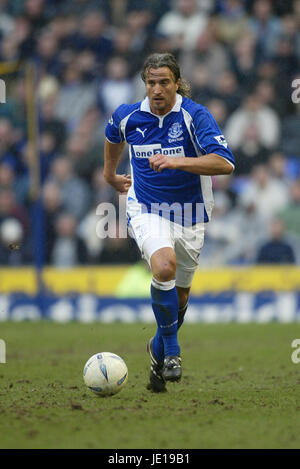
(112, 155)
(216, 158)
(208, 165)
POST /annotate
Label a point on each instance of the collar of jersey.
(145, 106)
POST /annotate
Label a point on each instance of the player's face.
(161, 90)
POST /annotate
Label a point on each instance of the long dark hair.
(167, 60)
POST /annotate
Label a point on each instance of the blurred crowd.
(242, 58)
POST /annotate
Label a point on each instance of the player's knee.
(166, 271)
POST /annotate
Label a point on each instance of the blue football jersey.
(188, 130)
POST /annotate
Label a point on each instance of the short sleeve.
(209, 137)
(112, 131)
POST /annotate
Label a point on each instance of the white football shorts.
(152, 232)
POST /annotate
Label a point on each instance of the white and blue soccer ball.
(105, 373)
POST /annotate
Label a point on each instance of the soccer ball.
(105, 373)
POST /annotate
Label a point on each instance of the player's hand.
(159, 162)
(121, 182)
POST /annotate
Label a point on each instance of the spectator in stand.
(219, 110)
(9, 208)
(80, 7)
(208, 53)
(277, 249)
(74, 95)
(87, 230)
(296, 15)
(122, 47)
(253, 114)
(84, 163)
(291, 213)
(6, 22)
(25, 37)
(68, 249)
(138, 23)
(231, 22)
(91, 127)
(52, 203)
(244, 60)
(47, 155)
(267, 194)
(35, 12)
(8, 150)
(102, 191)
(290, 27)
(267, 94)
(118, 250)
(220, 233)
(285, 56)
(278, 166)
(183, 24)
(296, 11)
(117, 87)
(75, 193)
(86, 62)
(48, 53)
(265, 26)
(227, 90)
(251, 152)
(290, 136)
(50, 123)
(126, 45)
(93, 36)
(19, 186)
(15, 248)
(251, 227)
(10, 51)
(201, 86)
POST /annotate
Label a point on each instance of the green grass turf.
(239, 389)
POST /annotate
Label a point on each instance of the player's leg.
(183, 298)
(163, 347)
(188, 244)
(165, 302)
(152, 234)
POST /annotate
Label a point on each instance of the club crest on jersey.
(175, 131)
(221, 140)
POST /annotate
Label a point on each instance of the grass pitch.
(239, 389)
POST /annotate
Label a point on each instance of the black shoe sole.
(156, 385)
(172, 379)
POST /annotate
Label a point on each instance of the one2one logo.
(2, 351)
(146, 151)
